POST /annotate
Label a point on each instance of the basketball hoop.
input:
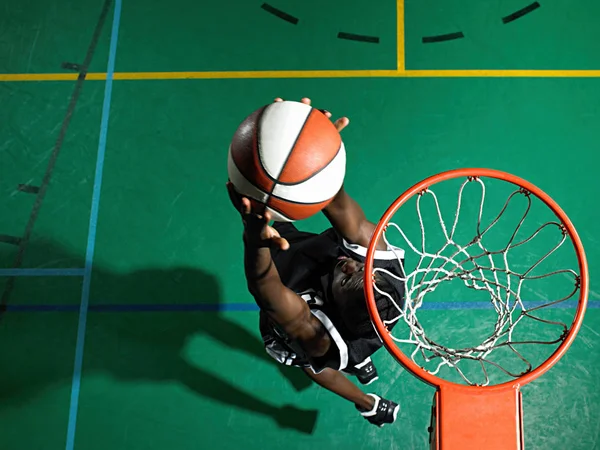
(473, 412)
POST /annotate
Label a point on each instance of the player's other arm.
(349, 220)
(344, 213)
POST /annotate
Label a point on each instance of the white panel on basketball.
(320, 187)
(280, 125)
(242, 184)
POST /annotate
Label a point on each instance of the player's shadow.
(132, 337)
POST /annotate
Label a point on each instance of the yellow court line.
(400, 35)
(356, 74)
(257, 74)
(310, 74)
(484, 73)
(48, 76)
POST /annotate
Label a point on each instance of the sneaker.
(366, 372)
(384, 411)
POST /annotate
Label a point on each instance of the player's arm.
(283, 305)
(349, 220)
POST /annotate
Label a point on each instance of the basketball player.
(309, 288)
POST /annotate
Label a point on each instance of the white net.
(501, 274)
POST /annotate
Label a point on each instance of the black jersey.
(306, 268)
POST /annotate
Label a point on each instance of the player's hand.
(257, 231)
(339, 124)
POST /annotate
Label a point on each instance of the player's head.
(348, 294)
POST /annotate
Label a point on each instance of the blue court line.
(448, 306)
(250, 307)
(91, 242)
(42, 272)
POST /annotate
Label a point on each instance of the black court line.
(358, 37)
(443, 37)
(520, 13)
(13, 240)
(279, 13)
(71, 66)
(54, 156)
(28, 189)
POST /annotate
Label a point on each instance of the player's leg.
(375, 409)
(337, 383)
(365, 372)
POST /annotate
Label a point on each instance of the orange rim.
(464, 173)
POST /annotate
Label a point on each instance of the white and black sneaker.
(384, 411)
(366, 372)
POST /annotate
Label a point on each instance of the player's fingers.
(273, 233)
(267, 216)
(246, 207)
(269, 233)
(282, 243)
(341, 123)
(306, 101)
(278, 99)
(327, 113)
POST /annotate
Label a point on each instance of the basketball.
(289, 158)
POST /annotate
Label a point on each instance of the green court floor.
(127, 324)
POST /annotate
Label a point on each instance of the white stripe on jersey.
(392, 253)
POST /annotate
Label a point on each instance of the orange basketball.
(289, 158)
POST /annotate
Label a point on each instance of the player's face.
(346, 275)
